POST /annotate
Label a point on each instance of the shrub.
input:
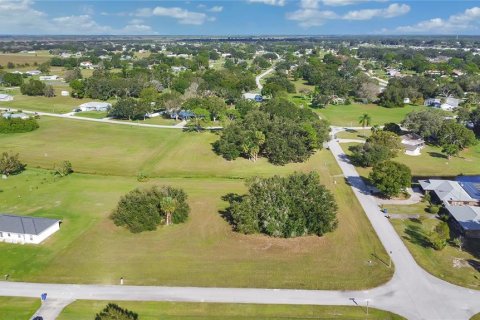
(114, 312)
(145, 209)
(64, 169)
(286, 207)
(17, 125)
(433, 209)
(9, 164)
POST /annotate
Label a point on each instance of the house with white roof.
(252, 96)
(5, 97)
(95, 106)
(413, 144)
(49, 78)
(23, 229)
(21, 115)
(86, 64)
(33, 72)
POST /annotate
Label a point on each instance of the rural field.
(83, 310)
(432, 163)
(12, 308)
(347, 115)
(202, 252)
(24, 58)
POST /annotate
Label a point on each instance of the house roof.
(467, 216)
(95, 104)
(25, 225)
(446, 190)
(412, 140)
(4, 96)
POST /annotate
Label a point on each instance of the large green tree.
(114, 312)
(287, 207)
(391, 178)
(10, 164)
(145, 209)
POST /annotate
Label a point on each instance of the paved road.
(107, 120)
(260, 76)
(412, 292)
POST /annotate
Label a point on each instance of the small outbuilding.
(20, 115)
(23, 229)
(5, 97)
(413, 144)
(95, 106)
(252, 96)
(64, 93)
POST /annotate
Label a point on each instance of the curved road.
(412, 292)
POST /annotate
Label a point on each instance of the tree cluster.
(18, 125)
(292, 206)
(114, 312)
(145, 209)
(279, 131)
(380, 146)
(10, 164)
(390, 177)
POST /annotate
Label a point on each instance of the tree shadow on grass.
(227, 212)
(437, 155)
(416, 235)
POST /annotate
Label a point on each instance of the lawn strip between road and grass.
(83, 310)
(16, 308)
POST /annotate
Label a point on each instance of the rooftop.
(24, 224)
(467, 216)
(446, 190)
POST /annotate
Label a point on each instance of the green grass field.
(354, 134)
(347, 115)
(204, 251)
(23, 58)
(91, 114)
(12, 308)
(83, 310)
(57, 104)
(432, 163)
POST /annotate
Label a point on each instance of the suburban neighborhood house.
(413, 144)
(21, 115)
(94, 106)
(252, 96)
(5, 97)
(447, 104)
(462, 201)
(22, 229)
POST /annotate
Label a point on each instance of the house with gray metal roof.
(467, 218)
(24, 229)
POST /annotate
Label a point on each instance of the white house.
(22, 229)
(252, 96)
(64, 93)
(406, 100)
(95, 106)
(178, 69)
(5, 97)
(21, 115)
(450, 104)
(48, 78)
(33, 72)
(86, 64)
(413, 144)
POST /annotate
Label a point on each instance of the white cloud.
(216, 9)
(393, 10)
(310, 15)
(279, 3)
(82, 23)
(183, 16)
(464, 21)
(347, 2)
(137, 29)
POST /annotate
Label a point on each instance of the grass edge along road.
(16, 308)
(84, 309)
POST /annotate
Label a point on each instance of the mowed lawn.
(204, 251)
(432, 163)
(13, 308)
(57, 104)
(23, 58)
(86, 310)
(348, 115)
(450, 264)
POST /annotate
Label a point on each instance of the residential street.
(412, 292)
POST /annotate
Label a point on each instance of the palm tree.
(375, 128)
(365, 120)
(168, 205)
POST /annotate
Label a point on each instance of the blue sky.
(239, 17)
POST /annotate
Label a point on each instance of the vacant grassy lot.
(23, 58)
(450, 264)
(204, 251)
(348, 115)
(83, 310)
(91, 114)
(354, 134)
(12, 308)
(432, 163)
(57, 104)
